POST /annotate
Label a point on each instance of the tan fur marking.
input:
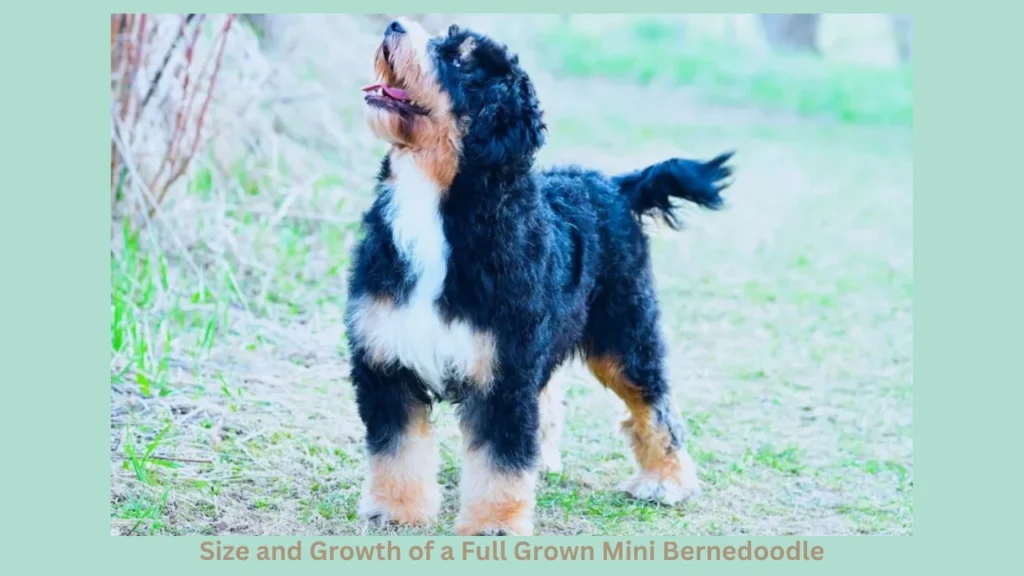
(650, 443)
(403, 487)
(494, 501)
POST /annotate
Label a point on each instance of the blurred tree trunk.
(267, 28)
(792, 32)
(903, 34)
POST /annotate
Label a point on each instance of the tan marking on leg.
(552, 418)
(402, 487)
(494, 501)
(666, 472)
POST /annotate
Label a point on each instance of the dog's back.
(600, 244)
(597, 212)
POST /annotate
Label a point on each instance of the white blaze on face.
(419, 42)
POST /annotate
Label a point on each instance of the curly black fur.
(651, 189)
(553, 262)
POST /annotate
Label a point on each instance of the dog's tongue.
(396, 93)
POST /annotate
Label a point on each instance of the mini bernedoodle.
(479, 274)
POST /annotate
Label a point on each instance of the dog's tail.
(650, 190)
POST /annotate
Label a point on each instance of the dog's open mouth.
(390, 97)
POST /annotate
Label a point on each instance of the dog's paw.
(494, 521)
(520, 527)
(654, 489)
(498, 532)
(671, 489)
(398, 512)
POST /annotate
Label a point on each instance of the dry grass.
(789, 315)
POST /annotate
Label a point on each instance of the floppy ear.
(510, 129)
(453, 30)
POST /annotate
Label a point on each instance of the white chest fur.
(414, 334)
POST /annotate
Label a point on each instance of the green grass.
(650, 51)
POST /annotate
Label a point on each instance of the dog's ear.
(510, 129)
(453, 30)
(495, 59)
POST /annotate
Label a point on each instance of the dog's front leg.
(401, 484)
(499, 473)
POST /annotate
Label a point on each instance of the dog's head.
(456, 98)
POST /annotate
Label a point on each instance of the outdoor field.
(789, 315)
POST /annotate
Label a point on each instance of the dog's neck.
(463, 181)
(438, 162)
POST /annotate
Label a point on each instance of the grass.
(788, 318)
(650, 51)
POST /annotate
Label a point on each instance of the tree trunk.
(792, 32)
(266, 27)
(903, 35)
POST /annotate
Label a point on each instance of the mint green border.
(55, 294)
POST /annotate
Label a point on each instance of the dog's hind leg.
(401, 485)
(552, 420)
(625, 352)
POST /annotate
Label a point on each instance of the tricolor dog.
(478, 274)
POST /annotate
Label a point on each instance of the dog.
(477, 275)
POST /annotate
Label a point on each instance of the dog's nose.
(395, 28)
